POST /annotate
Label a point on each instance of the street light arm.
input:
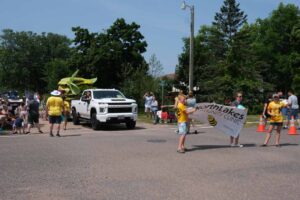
(191, 59)
(184, 6)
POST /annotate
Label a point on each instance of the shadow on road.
(206, 147)
(71, 135)
(288, 144)
(113, 127)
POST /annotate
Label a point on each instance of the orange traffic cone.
(261, 125)
(292, 130)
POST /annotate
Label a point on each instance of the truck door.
(83, 107)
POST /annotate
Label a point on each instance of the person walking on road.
(54, 109)
(33, 114)
(276, 119)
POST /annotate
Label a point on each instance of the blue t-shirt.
(191, 102)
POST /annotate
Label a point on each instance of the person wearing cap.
(276, 119)
(54, 109)
(33, 114)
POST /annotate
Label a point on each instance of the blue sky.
(162, 22)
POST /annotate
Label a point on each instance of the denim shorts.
(284, 111)
(182, 128)
(293, 112)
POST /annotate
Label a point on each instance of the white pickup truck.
(104, 106)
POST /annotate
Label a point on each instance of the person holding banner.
(276, 119)
(182, 118)
(234, 142)
(180, 93)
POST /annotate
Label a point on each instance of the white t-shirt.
(148, 101)
(293, 102)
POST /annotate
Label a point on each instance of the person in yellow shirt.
(276, 119)
(182, 119)
(66, 112)
(54, 109)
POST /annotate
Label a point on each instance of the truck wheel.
(75, 117)
(130, 124)
(94, 121)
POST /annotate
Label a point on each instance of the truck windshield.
(107, 94)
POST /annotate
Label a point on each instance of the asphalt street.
(142, 164)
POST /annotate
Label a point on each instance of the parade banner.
(227, 119)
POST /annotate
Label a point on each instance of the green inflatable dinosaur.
(73, 86)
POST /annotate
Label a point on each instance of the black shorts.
(276, 123)
(267, 115)
(55, 119)
(33, 118)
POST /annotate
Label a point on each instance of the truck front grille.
(119, 110)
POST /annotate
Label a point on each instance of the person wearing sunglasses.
(234, 142)
(276, 119)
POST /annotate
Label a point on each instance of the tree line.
(232, 55)
(36, 62)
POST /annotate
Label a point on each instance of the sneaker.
(285, 127)
(263, 145)
(58, 135)
(180, 151)
(237, 145)
(51, 135)
(277, 145)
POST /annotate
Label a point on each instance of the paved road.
(143, 164)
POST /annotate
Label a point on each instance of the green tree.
(112, 56)
(24, 57)
(55, 70)
(295, 56)
(274, 47)
(224, 58)
(229, 20)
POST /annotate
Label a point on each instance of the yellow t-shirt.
(66, 106)
(181, 113)
(55, 106)
(275, 109)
